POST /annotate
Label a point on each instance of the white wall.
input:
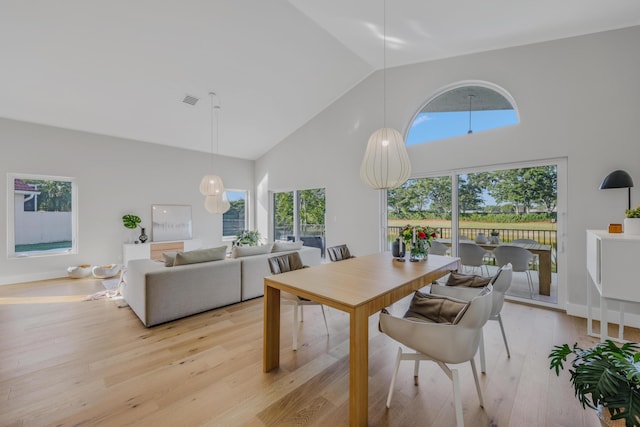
(578, 98)
(114, 177)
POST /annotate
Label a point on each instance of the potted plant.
(606, 378)
(495, 237)
(632, 221)
(247, 238)
(131, 221)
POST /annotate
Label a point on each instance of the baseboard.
(33, 277)
(632, 320)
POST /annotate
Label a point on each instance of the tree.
(55, 196)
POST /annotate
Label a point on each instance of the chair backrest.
(339, 253)
(471, 254)
(444, 342)
(517, 256)
(501, 285)
(438, 248)
(284, 263)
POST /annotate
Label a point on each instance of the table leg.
(271, 345)
(544, 273)
(359, 368)
(604, 325)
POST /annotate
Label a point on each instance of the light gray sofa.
(159, 294)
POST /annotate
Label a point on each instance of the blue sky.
(433, 126)
(235, 195)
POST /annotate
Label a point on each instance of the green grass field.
(476, 224)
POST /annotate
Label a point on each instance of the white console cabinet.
(154, 250)
(612, 263)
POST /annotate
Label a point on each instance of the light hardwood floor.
(68, 362)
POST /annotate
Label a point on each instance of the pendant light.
(386, 162)
(211, 185)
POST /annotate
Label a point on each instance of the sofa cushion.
(241, 251)
(169, 258)
(287, 246)
(200, 255)
(436, 308)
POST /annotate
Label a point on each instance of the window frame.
(230, 238)
(11, 245)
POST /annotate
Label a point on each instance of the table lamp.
(618, 179)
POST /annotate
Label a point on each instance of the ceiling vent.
(191, 100)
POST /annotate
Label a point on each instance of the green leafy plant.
(606, 375)
(633, 213)
(131, 221)
(248, 238)
(495, 233)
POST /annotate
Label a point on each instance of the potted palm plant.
(632, 221)
(606, 378)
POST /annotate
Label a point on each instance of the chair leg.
(416, 369)
(325, 319)
(475, 378)
(483, 363)
(302, 313)
(393, 378)
(457, 400)
(530, 283)
(295, 327)
(504, 336)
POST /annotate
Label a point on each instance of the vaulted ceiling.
(122, 68)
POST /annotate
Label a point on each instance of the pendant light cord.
(214, 118)
(470, 96)
(384, 63)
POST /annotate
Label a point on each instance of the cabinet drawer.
(157, 249)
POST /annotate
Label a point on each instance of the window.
(235, 219)
(300, 215)
(42, 215)
(462, 110)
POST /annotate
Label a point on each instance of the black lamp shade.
(617, 179)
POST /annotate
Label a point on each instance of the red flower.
(422, 235)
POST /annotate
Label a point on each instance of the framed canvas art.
(171, 222)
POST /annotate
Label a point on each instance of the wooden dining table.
(360, 286)
(544, 257)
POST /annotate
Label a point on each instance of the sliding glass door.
(300, 215)
(507, 206)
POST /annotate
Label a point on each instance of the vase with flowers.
(418, 238)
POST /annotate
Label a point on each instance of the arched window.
(463, 109)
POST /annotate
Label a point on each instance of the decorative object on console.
(386, 162)
(615, 228)
(495, 237)
(632, 221)
(618, 179)
(131, 222)
(143, 236)
(171, 222)
(211, 186)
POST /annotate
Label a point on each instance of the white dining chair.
(290, 262)
(438, 248)
(536, 258)
(472, 256)
(501, 284)
(443, 343)
(519, 258)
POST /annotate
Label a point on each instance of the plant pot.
(605, 418)
(632, 226)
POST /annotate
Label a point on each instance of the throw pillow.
(240, 251)
(458, 279)
(436, 308)
(169, 258)
(200, 255)
(287, 246)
